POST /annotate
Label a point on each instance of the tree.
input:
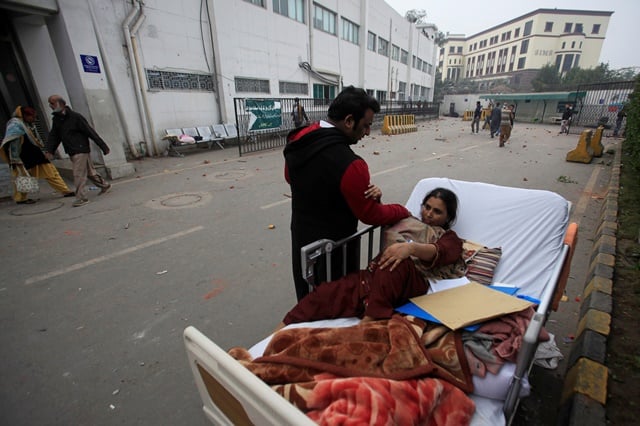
(547, 79)
(441, 38)
(416, 16)
(632, 129)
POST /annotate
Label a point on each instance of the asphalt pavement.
(94, 299)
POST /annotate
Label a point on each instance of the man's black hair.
(354, 101)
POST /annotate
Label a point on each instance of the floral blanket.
(397, 371)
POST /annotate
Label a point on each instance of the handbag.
(26, 183)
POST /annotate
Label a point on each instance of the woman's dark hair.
(352, 101)
(450, 200)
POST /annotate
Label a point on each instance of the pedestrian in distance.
(330, 184)
(22, 149)
(619, 119)
(505, 125)
(566, 119)
(477, 113)
(73, 131)
(496, 116)
(298, 113)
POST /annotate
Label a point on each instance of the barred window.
(383, 46)
(395, 52)
(252, 85)
(293, 9)
(289, 87)
(371, 41)
(404, 56)
(350, 31)
(324, 19)
(170, 80)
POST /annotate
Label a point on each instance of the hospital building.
(136, 68)
(514, 51)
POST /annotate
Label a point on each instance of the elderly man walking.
(74, 131)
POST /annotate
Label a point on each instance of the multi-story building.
(137, 67)
(515, 51)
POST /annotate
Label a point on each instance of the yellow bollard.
(468, 116)
(581, 154)
(386, 125)
(596, 142)
(394, 124)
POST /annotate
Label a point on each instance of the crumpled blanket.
(377, 401)
(392, 357)
(508, 332)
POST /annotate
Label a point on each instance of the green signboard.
(264, 114)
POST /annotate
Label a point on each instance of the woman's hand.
(394, 254)
(373, 192)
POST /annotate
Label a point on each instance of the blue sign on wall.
(90, 63)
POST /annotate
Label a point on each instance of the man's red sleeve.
(354, 183)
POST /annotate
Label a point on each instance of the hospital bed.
(532, 228)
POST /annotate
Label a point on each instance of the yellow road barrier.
(582, 153)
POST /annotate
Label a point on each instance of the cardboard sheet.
(468, 304)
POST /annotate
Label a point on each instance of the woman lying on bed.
(414, 251)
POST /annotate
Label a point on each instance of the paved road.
(93, 300)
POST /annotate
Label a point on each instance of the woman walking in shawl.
(22, 149)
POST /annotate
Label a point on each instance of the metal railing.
(258, 133)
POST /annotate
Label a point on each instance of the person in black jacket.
(330, 184)
(476, 118)
(73, 130)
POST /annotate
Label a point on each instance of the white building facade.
(135, 68)
(516, 50)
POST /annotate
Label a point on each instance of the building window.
(558, 62)
(521, 63)
(568, 63)
(168, 80)
(256, 2)
(395, 53)
(371, 41)
(324, 91)
(252, 85)
(350, 31)
(563, 44)
(578, 29)
(293, 9)
(402, 88)
(573, 44)
(404, 56)
(460, 49)
(383, 46)
(290, 88)
(567, 27)
(452, 49)
(576, 63)
(527, 28)
(595, 29)
(324, 19)
(548, 27)
(516, 33)
(524, 47)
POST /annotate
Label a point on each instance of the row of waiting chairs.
(216, 134)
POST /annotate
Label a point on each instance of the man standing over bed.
(330, 184)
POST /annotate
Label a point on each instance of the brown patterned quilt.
(377, 372)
